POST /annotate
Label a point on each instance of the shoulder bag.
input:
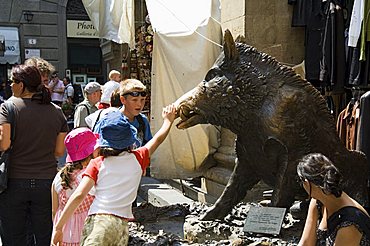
(4, 158)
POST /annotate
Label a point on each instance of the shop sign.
(31, 52)
(9, 45)
(32, 41)
(81, 29)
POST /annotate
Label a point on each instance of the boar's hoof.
(211, 214)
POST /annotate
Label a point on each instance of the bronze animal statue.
(277, 117)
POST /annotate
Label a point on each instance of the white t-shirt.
(117, 179)
(68, 92)
(108, 89)
(58, 85)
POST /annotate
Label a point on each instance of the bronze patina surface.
(277, 117)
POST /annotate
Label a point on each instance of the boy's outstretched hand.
(169, 115)
(169, 112)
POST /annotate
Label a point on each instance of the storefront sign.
(266, 220)
(81, 29)
(31, 52)
(32, 41)
(10, 45)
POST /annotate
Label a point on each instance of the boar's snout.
(189, 116)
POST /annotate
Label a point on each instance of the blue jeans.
(24, 200)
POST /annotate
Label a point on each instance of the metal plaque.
(266, 220)
(28, 53)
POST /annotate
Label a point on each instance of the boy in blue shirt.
(133, 96)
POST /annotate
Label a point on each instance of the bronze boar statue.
(277, 117)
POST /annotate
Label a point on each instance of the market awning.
(9, 42)
(113, 19)
(187, 41)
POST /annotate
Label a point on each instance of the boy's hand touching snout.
(169, 112)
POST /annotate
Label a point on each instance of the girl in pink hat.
(81, 144)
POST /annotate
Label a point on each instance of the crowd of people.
(39, 197)
(89, 200)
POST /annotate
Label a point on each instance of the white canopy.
(113, 19)
(186, 43)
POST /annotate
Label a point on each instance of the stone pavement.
(159, 193)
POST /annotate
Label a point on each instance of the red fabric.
(142, 155)
(92, 170)
(103, 105)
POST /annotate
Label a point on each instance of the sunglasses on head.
(136, 93)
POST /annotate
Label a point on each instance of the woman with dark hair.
(333, 218)
(40, 129)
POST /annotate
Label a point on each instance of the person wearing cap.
(56, 87)
(92, 94)
(82, 146)
(109, 87)
(115, 174)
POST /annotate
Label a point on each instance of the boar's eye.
(212, 73)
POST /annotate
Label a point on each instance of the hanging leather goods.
(124, 65)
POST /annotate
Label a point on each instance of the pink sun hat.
(80, 143)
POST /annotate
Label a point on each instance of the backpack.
(71, 124)
(66, 89)
(97, 119)
(83, 104)
(78, 95)
(141, 129)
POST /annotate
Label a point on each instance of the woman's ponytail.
(332, 180)
(319, 170)
(42, 94)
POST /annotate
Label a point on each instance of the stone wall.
(265, 24)
(47, 27)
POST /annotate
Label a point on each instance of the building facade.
(44, 28)
(61, 32)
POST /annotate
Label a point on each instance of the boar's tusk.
(192, 121)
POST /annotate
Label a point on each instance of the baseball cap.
(80, 143)
(92, 87)
(115, 131)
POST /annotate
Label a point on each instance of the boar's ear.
(230, 51)
(240, 39)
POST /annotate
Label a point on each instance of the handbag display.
(4, 158)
